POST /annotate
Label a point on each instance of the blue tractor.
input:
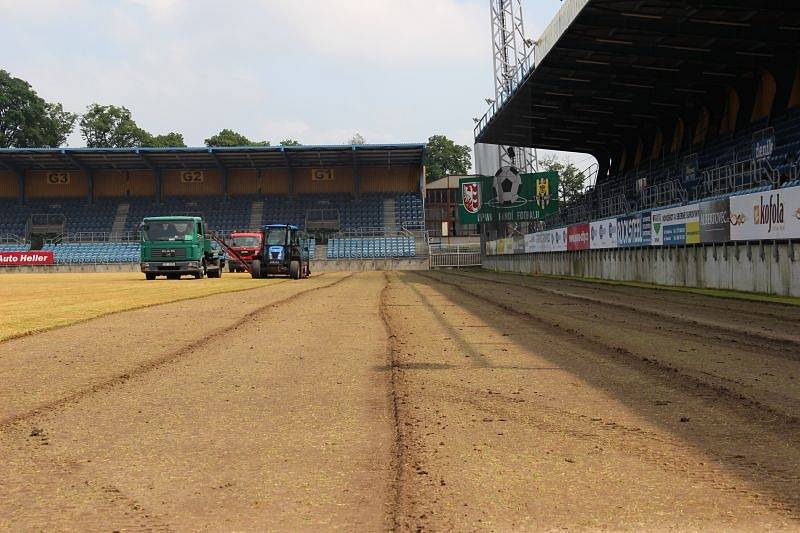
(284, 252)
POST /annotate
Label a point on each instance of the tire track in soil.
(786, 348)
(777, 480)
(154, 364)
(648, 446)
(399, 454)
(652, 366)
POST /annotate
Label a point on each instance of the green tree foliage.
(443, 158)
(357, 139)
(290, 142)
(26, 120)
(228, 137)
(572, 181)
(169, 140)
(109, 126)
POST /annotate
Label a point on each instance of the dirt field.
(408, 401)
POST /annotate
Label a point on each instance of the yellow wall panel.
(111, 183)
(243, 182)
(342, 182)
(37, 186)
(275, 181)
(390, 179)
(9, 185)
(172, 186)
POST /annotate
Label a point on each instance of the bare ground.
(408, 401)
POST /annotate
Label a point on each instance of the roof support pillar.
(356, 175)
(157, 172)
(289, 172)
(21, 184)
(89, 186)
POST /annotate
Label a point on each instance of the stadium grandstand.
(678, 101)
(86, 204)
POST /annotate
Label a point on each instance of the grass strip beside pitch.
(31, 303)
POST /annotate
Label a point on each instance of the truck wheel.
(150, 277)
(256, 269)
(173, 276)
(294, 269)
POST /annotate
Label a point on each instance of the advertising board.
(31, 258)
(603, 234)
(715, 217)
(768, 215)
(578, 237)
(676, 226)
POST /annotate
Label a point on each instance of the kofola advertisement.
(769, 215)
(26, 258)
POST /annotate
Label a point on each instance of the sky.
(314, 70)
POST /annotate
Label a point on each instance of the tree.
(357, 139)
(109, 126)
(290, 142)
(571, 180)
(26, 120)
(169, 140)
(228, 137)
(443, 157)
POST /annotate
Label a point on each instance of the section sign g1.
(508, 196)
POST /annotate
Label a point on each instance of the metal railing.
(455, 256)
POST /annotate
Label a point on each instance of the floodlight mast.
(509, 47)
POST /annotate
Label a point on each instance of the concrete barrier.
(771, 268)
(358, 265)
(317, 265)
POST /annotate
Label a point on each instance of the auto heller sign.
(26, 258)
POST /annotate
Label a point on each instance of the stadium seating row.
(362, 212)
(370, 247)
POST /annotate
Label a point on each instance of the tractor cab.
(284, 252)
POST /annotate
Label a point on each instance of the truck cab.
(178, 246)
(247, 244)
(284, 252)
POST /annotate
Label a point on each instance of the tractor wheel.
(149, 276)
(294, 269)
(256, 269)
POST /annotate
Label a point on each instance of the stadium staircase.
(256, 214)
(120, 219)
(389, 214)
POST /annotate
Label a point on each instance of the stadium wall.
(9, 184)
(771, 268)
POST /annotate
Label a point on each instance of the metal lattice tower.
(509, 49)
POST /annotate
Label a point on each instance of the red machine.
(245, 244)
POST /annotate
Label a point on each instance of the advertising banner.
(634, 230)
(675, 226)
(507, 197)
(38, 257)
(766, 215)
(519, 244)
(603, 234)
(578, 237)
(715, 218)
(491, 247)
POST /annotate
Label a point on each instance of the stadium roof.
(21, 159)
(606, 69)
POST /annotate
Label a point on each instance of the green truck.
(178, 246)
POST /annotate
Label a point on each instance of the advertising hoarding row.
(33, 258)
(768, 215)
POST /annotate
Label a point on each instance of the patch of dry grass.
(36, 302)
